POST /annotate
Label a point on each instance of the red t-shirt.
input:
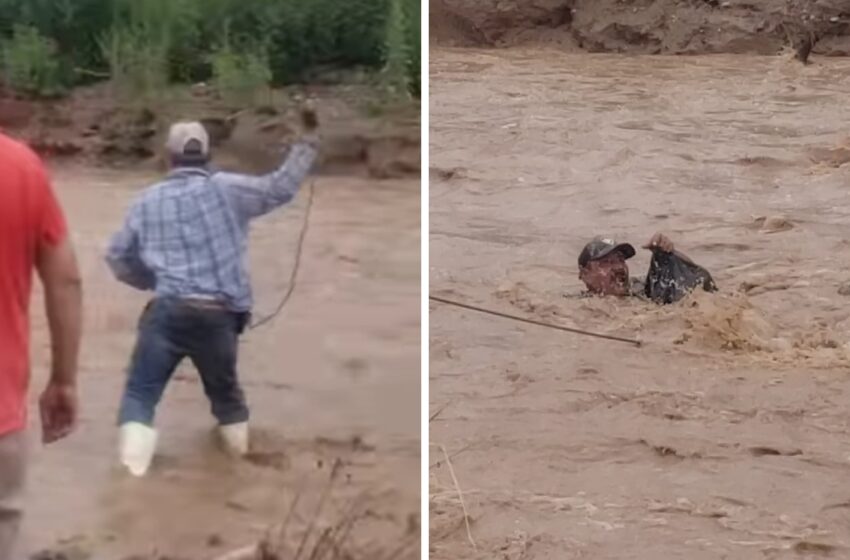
(30, 218)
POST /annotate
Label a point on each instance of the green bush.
(143, 39)
(300, 36)
(138, 66)
(30, 65)
(73, 25)
(396, 74)
(414, 48)
(401, 55)
(241, 77)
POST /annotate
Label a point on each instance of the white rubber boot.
(234, 438)
(138, 443)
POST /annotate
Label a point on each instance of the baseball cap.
(188, 138)
(601, 247)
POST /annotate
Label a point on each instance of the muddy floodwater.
(727, 434)
(334, 378)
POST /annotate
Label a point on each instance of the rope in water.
(293, 277)
(305, 226)
(445, 301)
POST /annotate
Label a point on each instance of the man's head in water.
(603, 269)
(188, 145)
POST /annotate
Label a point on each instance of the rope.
(295, 267)
(444, 301)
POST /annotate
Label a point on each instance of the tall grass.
(397, 58)
(413, 44)
(241, 76)
(140, 41)
(29, 63)
(137, 66)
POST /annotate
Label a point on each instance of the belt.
(203, 303)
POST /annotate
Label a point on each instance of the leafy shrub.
(137, 66)
(30, 65)
(242, 77)
(96, 36)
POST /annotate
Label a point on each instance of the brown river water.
(727, 434)
(334, 377)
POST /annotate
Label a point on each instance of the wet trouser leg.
(214, 353)
(154, 360)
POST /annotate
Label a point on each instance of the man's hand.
(660, 242)
(58, 406)
(60, 275)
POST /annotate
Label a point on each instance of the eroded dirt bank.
(645, 26)
(363, 133)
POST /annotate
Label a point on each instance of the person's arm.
(661, 242)
(253, 196)
(63, 294)
(57, 268)
(123, 256)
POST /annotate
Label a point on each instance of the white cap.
(182, 133)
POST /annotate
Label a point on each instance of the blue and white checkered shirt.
(187, 236)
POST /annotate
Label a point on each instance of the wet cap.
(600, 248)
(188, 138)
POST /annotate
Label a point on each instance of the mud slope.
(94, 126)
(646, 26)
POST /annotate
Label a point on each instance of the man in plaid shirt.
(185, 239)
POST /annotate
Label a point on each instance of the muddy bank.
(94, 126)
(646, 26)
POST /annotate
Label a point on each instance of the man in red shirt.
(33, 236)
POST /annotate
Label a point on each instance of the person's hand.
(661, 242)
(58, 406)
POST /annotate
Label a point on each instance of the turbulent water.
(334, 377)
(725, 434)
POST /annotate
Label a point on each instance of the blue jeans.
(170, 330)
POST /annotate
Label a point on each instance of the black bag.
(672, 276)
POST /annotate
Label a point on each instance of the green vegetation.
(242, 76)
(137, 64)
(397, 55)
(30, 64)
(238, 45)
